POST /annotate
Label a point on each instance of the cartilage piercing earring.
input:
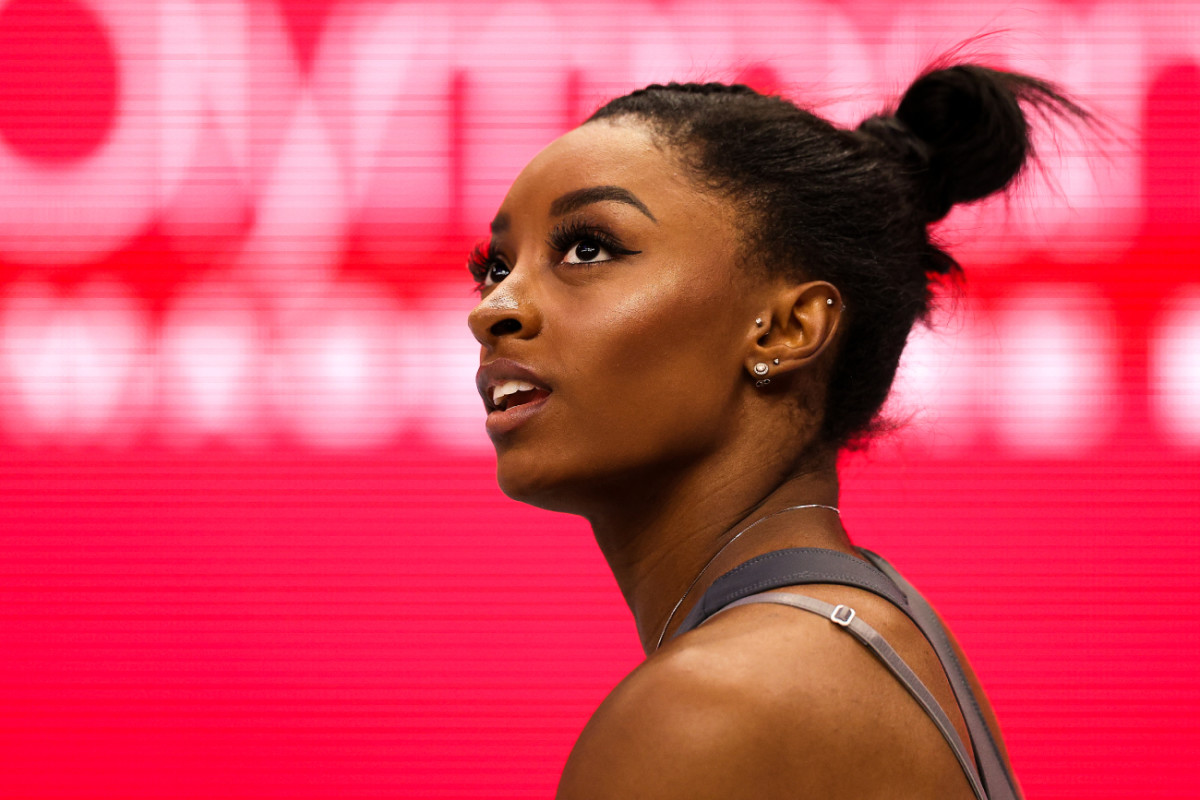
(758, 322)
(777, 362)
(828, 301)
(761, 369)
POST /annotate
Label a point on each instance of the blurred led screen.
(250, 538)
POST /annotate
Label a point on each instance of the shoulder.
(675, 724)
(772, 705)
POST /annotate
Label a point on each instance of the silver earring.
(777, 362)
(761, 369)
(758, 322)
(828, 301)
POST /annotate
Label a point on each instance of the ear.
(798, 324)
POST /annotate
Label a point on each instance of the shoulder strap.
(808, 565)
(996, 778)
(792, 567)
(845, 617)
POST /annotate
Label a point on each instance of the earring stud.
(761, 369)
(758, 321)
(777, 362)
(828, 301)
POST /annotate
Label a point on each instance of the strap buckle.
(842, 615)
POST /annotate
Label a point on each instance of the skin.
(656, 434)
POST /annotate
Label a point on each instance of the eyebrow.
(573, 201)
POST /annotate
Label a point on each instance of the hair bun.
(971, 119)
(964, 130)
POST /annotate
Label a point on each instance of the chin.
(535, 480)
(582, 489)
(535, 491)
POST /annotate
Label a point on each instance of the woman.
(690, 304)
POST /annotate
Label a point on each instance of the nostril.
(505, 326)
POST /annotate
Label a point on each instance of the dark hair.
(853, 207)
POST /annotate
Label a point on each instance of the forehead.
(621, 153)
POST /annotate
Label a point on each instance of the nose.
(505, 312)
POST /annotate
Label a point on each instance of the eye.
(485, 267)
(496, 271)
(587, 251)
(582, 243)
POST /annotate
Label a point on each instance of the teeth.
(509, 387)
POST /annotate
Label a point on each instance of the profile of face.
(614, 286)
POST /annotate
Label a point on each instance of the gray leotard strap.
(806, 565)
(996, 776)
(792, 567)
(845, 617)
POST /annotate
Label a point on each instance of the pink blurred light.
(1055, 392)
(1176, 368)
(79, 369)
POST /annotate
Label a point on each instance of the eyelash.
(480, 263)
(562, 238)
(571, 232)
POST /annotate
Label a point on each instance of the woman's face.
(616, 284)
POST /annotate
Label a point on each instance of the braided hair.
(853, 207)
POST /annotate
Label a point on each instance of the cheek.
(659, 366)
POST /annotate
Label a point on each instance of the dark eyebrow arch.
(573, 201)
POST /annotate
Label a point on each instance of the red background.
(250, 540)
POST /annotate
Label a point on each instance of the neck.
(660, 541)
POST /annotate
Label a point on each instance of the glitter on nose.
(501, 302)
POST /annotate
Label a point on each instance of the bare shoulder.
(762, 702)
(678, 726)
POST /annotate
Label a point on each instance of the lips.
(511, 393)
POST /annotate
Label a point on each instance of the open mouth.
(510, 394)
